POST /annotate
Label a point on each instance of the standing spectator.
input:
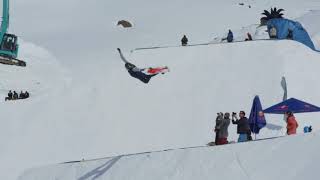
(219, 120)
(292, 124)
(222, 130)
(184, 40)
(230, 36)
(243, 127)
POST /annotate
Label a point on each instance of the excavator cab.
(9, 50)
(9, 44)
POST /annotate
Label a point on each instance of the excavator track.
(12, 61)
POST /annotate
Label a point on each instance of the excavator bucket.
(12, 61)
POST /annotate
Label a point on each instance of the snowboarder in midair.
(139, 73)
(184, 40)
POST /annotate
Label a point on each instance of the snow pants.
(243, 137)
(221, 141)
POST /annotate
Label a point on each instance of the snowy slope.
(263, 160)
(85, 105)
(203, 92)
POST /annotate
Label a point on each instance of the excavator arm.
(8, 42)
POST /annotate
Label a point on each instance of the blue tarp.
(284, 25)
(256, 122)
(293, 105)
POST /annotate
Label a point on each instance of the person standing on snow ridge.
(292, 123)
(134, 71)
(184, 40)
(217, 127)
(222, 130)
(230, 36)
(243, 127)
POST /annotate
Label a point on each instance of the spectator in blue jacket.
(230, 36)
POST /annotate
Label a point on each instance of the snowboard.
(214, 144)
(157, 70)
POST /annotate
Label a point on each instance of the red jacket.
(292, 125)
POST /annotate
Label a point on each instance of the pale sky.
(66, 28)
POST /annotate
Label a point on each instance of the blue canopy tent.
(256, 122)
(293, 105)
(298, 32)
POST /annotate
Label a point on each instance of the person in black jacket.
(290, 34)
(134, 71)
(21, 95)
(15, 95)
(243, 128)
(10, 96)
(230, 36)
(26, 95)
(184, 40)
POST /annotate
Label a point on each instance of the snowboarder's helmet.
(129, 66)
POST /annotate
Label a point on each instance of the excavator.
(9, 42)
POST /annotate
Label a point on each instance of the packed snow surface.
(263, 160)
(84, 104)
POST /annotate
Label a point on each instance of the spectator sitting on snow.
(26, 95)
(307, 129)
(292, 124)
(249, 38)
(10, 96)
(242, 126)
(15, 95)
(21, 95)
(134, 71)
(184, 40)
